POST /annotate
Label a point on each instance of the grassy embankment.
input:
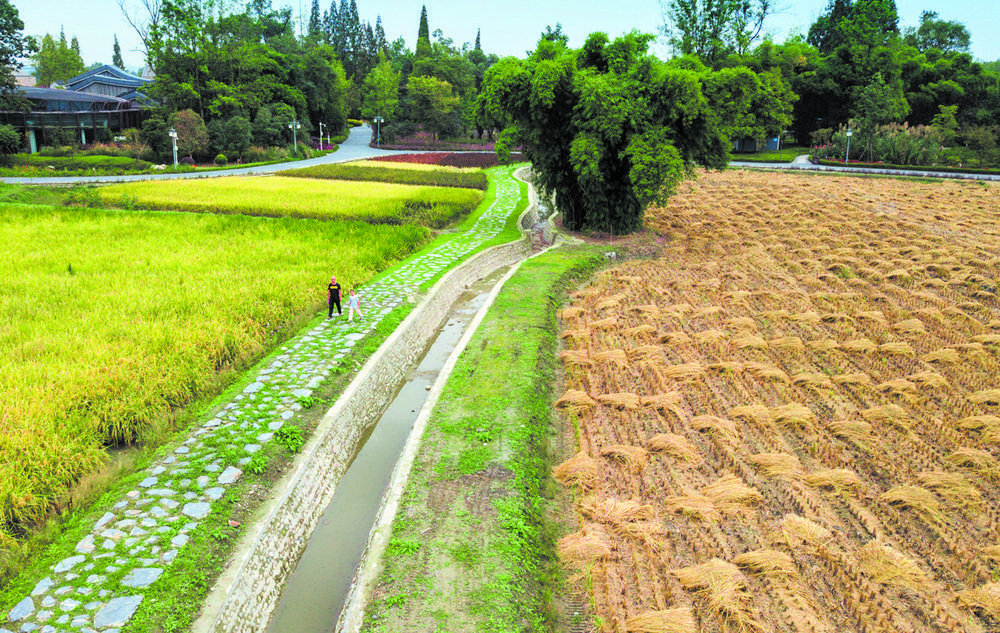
(371, 202)
(471, 545)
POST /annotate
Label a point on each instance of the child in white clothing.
(353, 304)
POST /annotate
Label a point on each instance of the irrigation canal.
(316, 591)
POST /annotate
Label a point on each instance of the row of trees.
(855, 66)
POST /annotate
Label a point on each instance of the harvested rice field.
(790, 419)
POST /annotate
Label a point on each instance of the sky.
(509, 27)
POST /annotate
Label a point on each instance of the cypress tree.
(478, 46)
(423, 35)
(116, 57)
(315, 21)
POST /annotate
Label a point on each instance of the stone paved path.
(99, 587)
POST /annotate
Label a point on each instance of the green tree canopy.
(944, 35)
(433, 102)
(713, 29)
(381, 91)
(13, 46)
(608, 128)
(56, 61)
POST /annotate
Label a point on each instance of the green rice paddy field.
(111, 319)
(279, 196)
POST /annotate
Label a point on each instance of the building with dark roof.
(95, 104)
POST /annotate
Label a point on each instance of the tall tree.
(315, 21)
(853, 22)
(381, 91)
(944, 35)
(423, 47)
(116, 55)
(13, 46)
(56, 61)
(608, 129)
(433, 102)
(713, 29)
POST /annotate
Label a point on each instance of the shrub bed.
(928, 168)
(68, 163)
(482, 160)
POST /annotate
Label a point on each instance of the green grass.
(71, 163)
(375, 203)
(471, 547)
(784, 155)
(393, 173)
(109, 320)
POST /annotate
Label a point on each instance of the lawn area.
(278, 196)
(784, 155)
(111, 319)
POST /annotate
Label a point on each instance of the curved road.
(354, 148)
(802, 163)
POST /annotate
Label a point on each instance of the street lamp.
(848, 154)
(173, 141)
(378, 131)
(293, 126)
(321, 135)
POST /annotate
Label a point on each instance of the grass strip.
(471, 547)
(369, 171)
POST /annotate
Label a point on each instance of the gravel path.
(99, 586)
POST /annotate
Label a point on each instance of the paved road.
(354, 148)
(805, 165)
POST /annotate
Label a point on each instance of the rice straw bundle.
(851, 430)
(898, 386)
(587, 545)
(859, 345)
(575, 357)
(891, 413)
(610, 323)
(677, 620)
(910, 327)
(609, 302)
(750, 341)
(808, 317)
(888, 566)
(980, 423)
(693, 506)
(650, 310)
(715, 425)
(974, 459)
(575, 398)
(920, 500)
(929, 379)
(944, 355)
(674, 338)
(836, 317)
(899, 275)
(823, 345)
(706, 337)
(810, 380)
(835, 480)
(572, 312)
(645, 353)
(742, 323)
(931, 313)
(731, 495)
(580, 334)
(763, 371)
(725, 367)
(609, 510)
(724, 590)
(620, 401)
(954, 488)
(775, 464)
(793, 415)
(639, 331)
(787, 344)
(897, 348)
(991, 553)
(755, 412)
(875, 316)
(767, 562)
(853, 380)
(678, 310)
(986, 396)
(676, 446)
(611, 357)
(985, 597)
(684, 371)
(579, 470)
(972, 306)
(634, 457)
(797, 530)
(705, 311)
(776, 315)
(987, 339)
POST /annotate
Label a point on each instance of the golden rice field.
(790, 419)
(109, 319)
(280, 196)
